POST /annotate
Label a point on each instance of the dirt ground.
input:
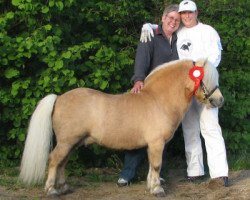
(176, 188)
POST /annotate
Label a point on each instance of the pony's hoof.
(65, 189)
(158, 192)
(161, 194)
(52, 192)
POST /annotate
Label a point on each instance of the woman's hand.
(147, 32)
(137, 87)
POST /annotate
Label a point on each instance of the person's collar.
(194, 25)
(159, 31)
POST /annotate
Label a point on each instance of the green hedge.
(54, 46)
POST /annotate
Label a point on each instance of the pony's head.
(208, 91)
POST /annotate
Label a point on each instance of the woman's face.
(189, 19)
(171, 22)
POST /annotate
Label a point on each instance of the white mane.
(164, 65)
(211, 76)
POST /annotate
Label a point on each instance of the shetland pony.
(85, 116)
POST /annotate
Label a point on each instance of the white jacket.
(200, 41)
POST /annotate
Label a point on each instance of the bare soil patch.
(176, 188)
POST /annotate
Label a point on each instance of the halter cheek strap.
(206, 92)
(196, 74)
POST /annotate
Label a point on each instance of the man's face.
(171, 21)
(189, 19)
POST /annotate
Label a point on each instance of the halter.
(196, 74)
(206, 92)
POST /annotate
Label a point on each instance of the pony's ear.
(201, 62)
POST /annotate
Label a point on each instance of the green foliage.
(239, 162)
(54, 46)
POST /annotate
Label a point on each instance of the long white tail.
(38, 142)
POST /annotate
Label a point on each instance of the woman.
(161, 49)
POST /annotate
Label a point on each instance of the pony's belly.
(122, 141)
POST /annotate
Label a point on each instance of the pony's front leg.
(149, 177)
(155, 151)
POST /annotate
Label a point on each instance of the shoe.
(195, 179)
(218, 182)
(223, 180)
(122, 182)
(162, 181)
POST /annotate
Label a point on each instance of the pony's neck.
(171, 88)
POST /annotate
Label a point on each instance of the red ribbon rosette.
(196, 74)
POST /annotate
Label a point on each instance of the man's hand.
(137, 87)
(147, 32)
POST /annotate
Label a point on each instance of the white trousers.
(201, 119)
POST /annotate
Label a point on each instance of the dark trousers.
(133, 159)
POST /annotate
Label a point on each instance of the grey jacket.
(151, 54)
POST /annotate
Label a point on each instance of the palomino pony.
(125, 121)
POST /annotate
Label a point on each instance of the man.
(149, 55)
(198, 40)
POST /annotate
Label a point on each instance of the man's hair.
(171, 8)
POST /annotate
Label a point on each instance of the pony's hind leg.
(56, 158)
(155, 151)
(62, 186)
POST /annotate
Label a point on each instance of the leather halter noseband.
(206, 92)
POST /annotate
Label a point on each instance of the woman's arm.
(147, 32)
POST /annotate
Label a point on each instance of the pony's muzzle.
(216, 102)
